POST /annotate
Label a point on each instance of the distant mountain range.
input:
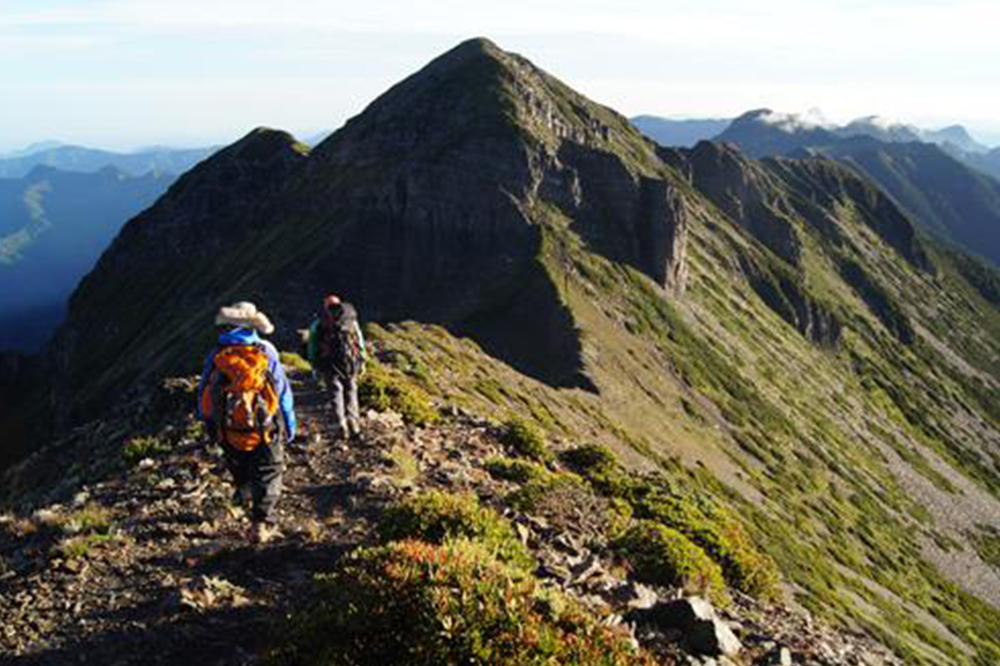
(53, 226)
(934, 183)
(88, 160)
(812, 128)
(683, 133)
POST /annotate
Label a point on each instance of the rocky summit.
(609, 375)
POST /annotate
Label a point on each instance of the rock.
(568, 543)
(781, 656)
(523, 533)
(703, 631)
(588, 569)
(632, 595)
(73, 566)
(538, 523)
(553, 570)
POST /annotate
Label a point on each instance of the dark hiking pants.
(344, 400)
(261, 470)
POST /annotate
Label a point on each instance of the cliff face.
(429, 205)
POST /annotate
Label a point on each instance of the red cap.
(331, 301)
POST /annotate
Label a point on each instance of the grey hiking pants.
(262, 470)
(344, 399)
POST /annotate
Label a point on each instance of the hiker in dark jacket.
(246, 401)
(337, 353)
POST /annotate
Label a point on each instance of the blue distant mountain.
(88, 160)
(683, 133)
(54, 224)
(947, 190)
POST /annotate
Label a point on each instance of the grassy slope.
(838, 458)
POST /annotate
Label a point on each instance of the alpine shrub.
(719, 534)
(382, 388)
(515, 469)
(438, 517)
(599, 466)
(423, 604)
(526, 439)
(139, 448)
(663, 556)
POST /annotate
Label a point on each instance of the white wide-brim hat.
(244, 315)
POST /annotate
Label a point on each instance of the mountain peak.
(478, 91)
(475, 46)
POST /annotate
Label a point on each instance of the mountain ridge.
(954, 201)
(773, 334)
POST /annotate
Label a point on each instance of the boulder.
(703, 631)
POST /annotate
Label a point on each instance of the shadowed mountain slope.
(53, 227)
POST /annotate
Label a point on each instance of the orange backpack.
(240, 398)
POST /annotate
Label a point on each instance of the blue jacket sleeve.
(205, 372)
(284, 388)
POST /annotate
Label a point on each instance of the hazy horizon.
(121, 74)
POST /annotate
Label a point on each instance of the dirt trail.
(178, 582)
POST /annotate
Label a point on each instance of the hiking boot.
(261, 533)
(241, 501)
(343, 433)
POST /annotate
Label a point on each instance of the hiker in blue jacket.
(254, 456)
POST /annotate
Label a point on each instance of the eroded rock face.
(747, 194)
(637, 220)
(781, 292)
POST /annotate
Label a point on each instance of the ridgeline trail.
(151, 565)
(178, 582)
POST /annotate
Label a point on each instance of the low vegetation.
(663, 556)
(526, 439)
(438, 518)
(384, 388)
(294, 363)
(149, 446)
(515, 470)
(412, 602)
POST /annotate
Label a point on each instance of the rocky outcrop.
(704, 632)
(747, 194)
(663, 234)
(632, 219)
(788, 297)
(881, 304)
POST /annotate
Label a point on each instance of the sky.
(124, 74)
